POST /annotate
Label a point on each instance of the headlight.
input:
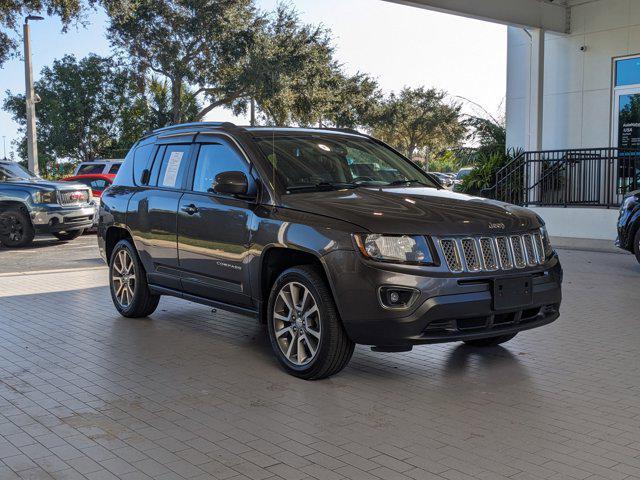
(395, 248)
(45, 197)
(546, 243)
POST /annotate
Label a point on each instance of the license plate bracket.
(511, 293)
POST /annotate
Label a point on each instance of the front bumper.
(448, 307)
(55, 218)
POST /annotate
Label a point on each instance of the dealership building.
(572, 106)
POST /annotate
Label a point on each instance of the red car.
(97, 182)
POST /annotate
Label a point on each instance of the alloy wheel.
(124, 278)
(13, 228)
(296, 322)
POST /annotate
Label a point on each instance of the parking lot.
(195, 393)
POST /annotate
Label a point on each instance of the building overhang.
(548, 15)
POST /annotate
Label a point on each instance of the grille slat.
(476, 254)
(489, 258)
(518, 251)
(529, 249)
(504, 252)
(470, 254)
(451, 255)
(537, 239)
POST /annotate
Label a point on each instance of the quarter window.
(215, 158)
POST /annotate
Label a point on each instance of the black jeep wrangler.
(330, 237)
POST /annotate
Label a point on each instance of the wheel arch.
(112, 236)
(275, 260)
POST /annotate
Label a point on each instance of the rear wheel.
(128, 283)
(305, 330)
(636, 245)
(491, 341)
(68, 235)
(16, 229)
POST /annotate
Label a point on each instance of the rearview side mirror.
(231, 183)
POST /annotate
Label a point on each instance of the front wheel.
(16, 229)
(491, 341)
(68, 235)
(128, 283)
(305, 330)
(636, 245)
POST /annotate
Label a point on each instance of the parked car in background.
(96, 182)
(106, 166)
(463, 172)
(629, 224)
(330, 237)
(30, 205)
(445, 180)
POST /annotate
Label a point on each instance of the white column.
(536, 108)
(536, 90)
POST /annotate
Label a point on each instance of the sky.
(396, 44)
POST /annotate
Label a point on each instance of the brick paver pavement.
(194, 394)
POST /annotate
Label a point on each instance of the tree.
(88, 108)
(230, 53)
(419, 119)
(13, 11)
(298, 82)
(204, 44)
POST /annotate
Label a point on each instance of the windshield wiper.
(322, 186)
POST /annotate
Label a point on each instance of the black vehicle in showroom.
(330, 237)
(629, 224)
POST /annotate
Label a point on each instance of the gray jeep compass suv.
(329, 237)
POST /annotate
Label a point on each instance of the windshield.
(463, 173)
(14, 171)
(324, 161)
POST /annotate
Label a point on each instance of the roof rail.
(180, 126)
(345, 130)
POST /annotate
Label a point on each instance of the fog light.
(397, 297)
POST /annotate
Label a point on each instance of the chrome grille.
(470, 254)
(489, 258)
(73, 197)
(474, 254)
(451, 255)
(518, 252)
(504, 252)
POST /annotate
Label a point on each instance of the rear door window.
(114, 168)
(172, 167)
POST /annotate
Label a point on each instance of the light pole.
(32, 145)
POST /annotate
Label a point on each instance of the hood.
(44, 185)
(419, 210)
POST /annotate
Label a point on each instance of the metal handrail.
(569, 177)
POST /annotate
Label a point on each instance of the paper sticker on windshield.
(173, 167)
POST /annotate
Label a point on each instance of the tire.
(636, 245)
(137, 301)
(16, 229)
(69, 235)
(333, 348)
(491, 341)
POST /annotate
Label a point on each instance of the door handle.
(190, 209)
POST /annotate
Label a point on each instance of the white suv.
(102, 166)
